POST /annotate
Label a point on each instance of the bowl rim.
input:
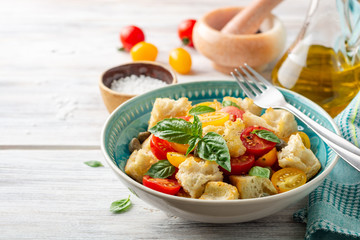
(105, 88)
(316, 180)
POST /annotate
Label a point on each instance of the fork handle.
(346, 150)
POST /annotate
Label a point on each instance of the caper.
(280, 145)
(143, 136)
(134, 145)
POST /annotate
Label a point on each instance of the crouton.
(282, 121)
(168, 108)
(250, 119)
(139, 163)
(232, 137)
(220, 191)
(296, 155)
(253, 186)
(245, 104)
(194, 173)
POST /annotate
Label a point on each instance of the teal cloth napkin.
(333, 210)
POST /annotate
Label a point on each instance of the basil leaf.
(94, 164)
(173, 130)
(196, 127)
(120, 205)
(161, 169)
(213, 147)
(267, 135)
(192, 144)
(260, 172)
(229, 103)
(201, 110)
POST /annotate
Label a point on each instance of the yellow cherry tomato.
(181, 148)
(214, 118)
(180, 60)
(268, 159)
(215, 104)
(305, 139)
(143, 51)
(176, 158)
(287, 179)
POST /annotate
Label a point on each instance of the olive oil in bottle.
(320, 74)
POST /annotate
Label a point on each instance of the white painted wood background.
(52, 54)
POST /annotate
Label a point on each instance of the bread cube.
(253, 186)
(245, 104)
(168, 108)
(296, 155)
(194, 173)
(139, 163)
(232, 137)
(282, 121)
(220, 191)
(250, 119)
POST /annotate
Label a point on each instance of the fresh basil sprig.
(267, 135)
(211, 147)
(94, 164)
(161, 169)
(120, 205)
(201, 110)
(229, 103)
(260, 172)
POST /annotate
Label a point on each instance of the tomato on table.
(213, 118)
(254, 144)
(234, 112)
(240, 165)
(131, 35)
(185, 30)
(160, 147)
(164, 185)
(180, 60)
(268, 159)
(287, 179)
(144, 51)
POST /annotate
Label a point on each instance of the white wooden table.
(52, 54)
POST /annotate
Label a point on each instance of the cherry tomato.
(131, 35)
(268, 159)
(143, 51)
(305, 139)
(176, 158)
(185, 30)
(240, 165)
(213, 118)
(160, 147)
(186, 118)
(180, 60)
(234, 112)
(168, 186)
(287, 179)
(254, 144)
(181, 148)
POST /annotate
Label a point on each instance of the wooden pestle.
(250, 18)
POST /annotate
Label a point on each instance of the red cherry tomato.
(160, 147)
(254, 144)
(240, 165)
(185, 30)
(168, 186)
(186, 118)
(234, 112)
(131, 35)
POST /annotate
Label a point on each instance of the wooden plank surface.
(52, 54)
(54, 195)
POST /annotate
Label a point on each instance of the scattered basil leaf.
(161, 169)
(229, 103)
(196, 127)
(120, 205)
(173, 130)
(267, 135)
(192, 144)
(213, 147)
(260, 172)
(201, 110)
(94, 164)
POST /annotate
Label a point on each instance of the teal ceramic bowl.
(132, 117)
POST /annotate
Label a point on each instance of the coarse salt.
(136, 84)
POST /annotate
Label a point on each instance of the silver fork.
(265, 95)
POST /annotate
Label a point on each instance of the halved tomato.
(186, 118)
(160, 147)
(176, 158)
(254, 144)
(164, 185)
(181, 148)
(268, 159)
(234, 112)
(213, 118)
(287, 179)
(240, 165)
